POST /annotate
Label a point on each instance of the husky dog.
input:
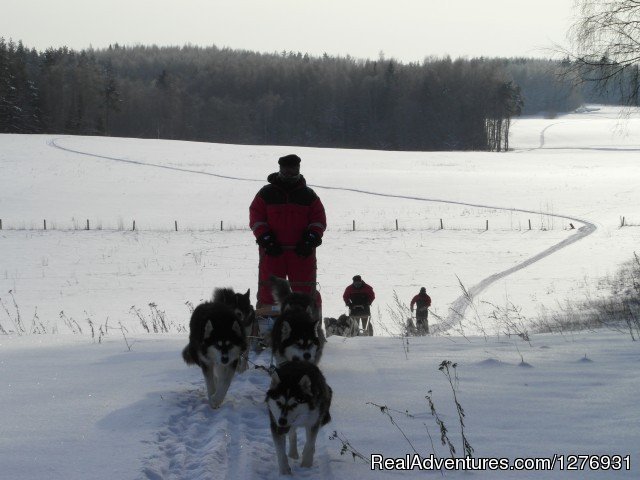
(289, 300)
(216, 343)
(343, 326)
(296, 333)
(298, 397)
(241, 305)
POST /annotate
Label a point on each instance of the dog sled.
(360, 315)
(265, 318)
(354, 324)
(416, 327)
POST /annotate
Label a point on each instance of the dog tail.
(187, 356)
(280, 288)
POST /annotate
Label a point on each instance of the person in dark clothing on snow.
(422, 302)
(358, 297)
(288, 220)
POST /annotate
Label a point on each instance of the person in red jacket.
(422, 302)
(358, 297)
(288, 220)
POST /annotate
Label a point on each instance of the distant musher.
(422, 302)
(358, 297)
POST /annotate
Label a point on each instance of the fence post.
(441, 226)
(45, 224)
(396, 224)
(0, 224)
(221, 225)
(529, 224)
(487, 225)
(134, 226)
(87, 224)
(176, 224)
(354, 225)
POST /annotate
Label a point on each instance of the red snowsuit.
(363, 296)
(287, 211)
(423, 302)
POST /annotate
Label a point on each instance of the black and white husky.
(241, 305)
(298, 397)
(296, 334)
(217, 341)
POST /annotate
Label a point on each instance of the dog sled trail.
(459, 306)
(198, 442)
(231, 442)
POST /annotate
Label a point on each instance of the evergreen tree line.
(231, 96)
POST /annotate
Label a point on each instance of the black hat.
(289, 161)
(357, 278)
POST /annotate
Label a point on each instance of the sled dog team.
(298, 395)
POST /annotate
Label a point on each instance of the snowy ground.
(72, 408)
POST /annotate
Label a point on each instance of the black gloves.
(304, 248)
(268, 241)
(309, 241)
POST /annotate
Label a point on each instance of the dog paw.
(293, 454)
(285, 470)
(307, 460)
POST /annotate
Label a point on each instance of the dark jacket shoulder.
(278, 192)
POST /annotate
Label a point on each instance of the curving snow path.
(458, 307)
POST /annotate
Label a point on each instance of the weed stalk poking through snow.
(348, 448)
(445, 367)
(16, 319)
(444, 438)
(385, 410)
(123, 329)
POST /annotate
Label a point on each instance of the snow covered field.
(73, 408)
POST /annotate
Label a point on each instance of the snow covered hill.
(72, 407)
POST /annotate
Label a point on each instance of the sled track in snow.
(459, 306)
(232, 442)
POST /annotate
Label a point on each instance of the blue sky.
(408, 30)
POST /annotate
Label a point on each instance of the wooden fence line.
(622, 222)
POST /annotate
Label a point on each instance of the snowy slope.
(73, 408)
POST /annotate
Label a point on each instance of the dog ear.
(285, 330)
(248, 294)
(236, 328)
(305, 385)
(275, 379)
(208, 329)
